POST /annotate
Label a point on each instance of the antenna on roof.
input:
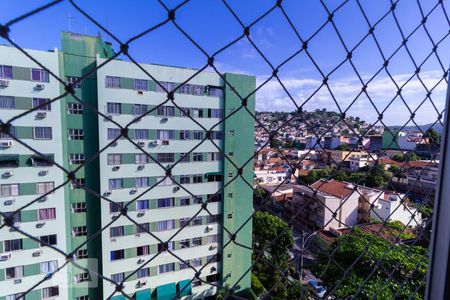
(69, 17)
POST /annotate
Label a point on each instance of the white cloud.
(272, 97)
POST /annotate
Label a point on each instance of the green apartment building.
(81, 141)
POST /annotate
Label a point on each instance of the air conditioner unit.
(137, 235)
(8, 173)
(141, 167)
(133, 190)
(164, 119)
(6, 144)
(213, 246)
(107, 193)
(41, 115)
(156, 142)
(141, 144)
(42, 199)
(115, 168)
(4, 83)
(112, 240)
(208, 228)
(142, 282)
(5, 256)
(141, 213)
(165, 142)
(40, 86)
(9, 202)
(140, 260)
(40, 224)
(114, 144)
(17, 281)
(176, 188)
(36, 253)
(43, 173)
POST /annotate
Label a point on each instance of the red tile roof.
(333, 187)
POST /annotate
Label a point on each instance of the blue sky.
(212, 26)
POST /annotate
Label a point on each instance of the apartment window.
(215, 113)
(196, 241)
(79, 231)
(165, 111)
(115, 183)
(118, 278)
(49, 266)
(7, 102)
(78, 183)
(217, 135)
(82, 253)
(141, 134)
(50, 292)
(114, 159)
(165, 202)
(114, 108)
(86, 297)
(215, 91)
(39, 75)
(185, 243)
(115, 207)
(214, 156)
(139, 109)
(214, 177)
(197, 90)
(76, 134)
(141, 182)
(166, 268)
(42, 133)
(164, 181)
(213, 278)
(9, 162)
(142, 273)
(210, 219)
(185, 111)
(185, 157)
(13, 245)
(184, 89)
(185, 179)
(196, 262)
(44, 187)
(197, 178)
(185, 201)
(47, 214)
(14, 272)
(42, 103)
(165, 225)
(143, 250)
(166, 157)
(197, 112)
(142, 204)
(76, 158)
(141, 158)
(197, 135)
(214, 197)
(185, 222)
(143, 228)
(113, 133)
(75, 108)
(7, 190)
(184, 265)
(117, 254)
(82, 277)
(140, 85)
(74, 80)
(184, 135)
(6, 72)
(165, 134)
(116, 231)
(78, 207)
(16, 217)
(196, 221)
(164, 85)
(7, 136)
(112, 82)
(213, 239)
(48, 240)
(170, 246)
(197, 156)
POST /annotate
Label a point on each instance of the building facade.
(113, 175)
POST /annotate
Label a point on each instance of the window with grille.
(165, 111)
(212, 239)
(196, 262)
(184, 135)
(115, 183)
(42, 133)
(197, 178)
(214, 156)
(6, 72)
(185, 243)
(185, 179)
(44, 187)
(141, 134)
(74, 108)
(115, 207)
(165, 225)
(197, 135)
(141, 182)
(169, 86)
(184, 265)
(116, 231)
(184, 89)
(51, 239)
(165, 134)
(76, 134)
(7, 102)
(185, 157)
(112, 82)
(118, 278)
(198, 90)
(46, 214)
(165, 157)
(114, 108)
(143, 204)
(82, 253)
(185, 201)
(39, 75)
(13, 245)
(78, 207)
(114, 159)
(140, 85)
(82, 277)
(142, 273)
(7, 190)
(113, 133)
(143, 228)
(79, 231)
(50, 292)
(165, 202)
(143, 250)
(166, 268)
(42, 104)
(197, 156)
(74, 80)
(76, 158)
(49, 266)
(141, 158)
(78, 183)
(196, 242)
(14, 272)
(139, 109)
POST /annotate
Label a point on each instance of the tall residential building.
(125, 174)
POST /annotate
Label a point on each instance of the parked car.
(319, 290)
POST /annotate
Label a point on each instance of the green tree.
(267, 228)
(343, 147)
(433, 136)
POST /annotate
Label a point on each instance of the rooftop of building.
(340, 189)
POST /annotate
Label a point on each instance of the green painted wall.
(240, 206)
